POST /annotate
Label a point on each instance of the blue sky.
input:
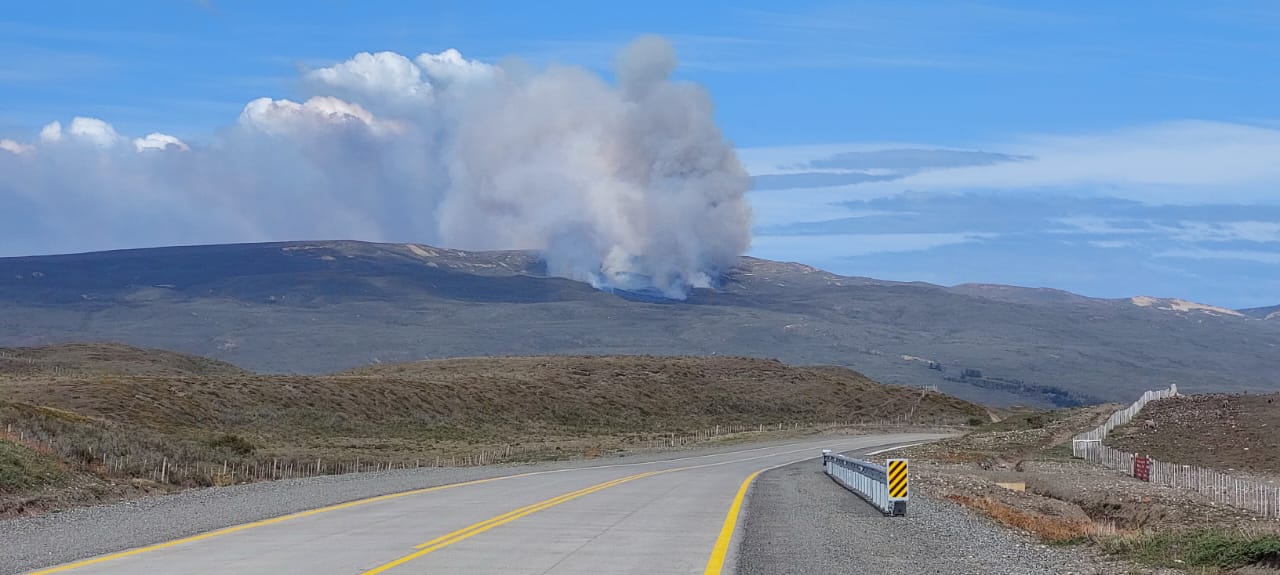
(1125, 147)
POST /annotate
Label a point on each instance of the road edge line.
(720, 552)
(715, 563)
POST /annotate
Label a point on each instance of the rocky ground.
(798, 521)
(1019, 472)
(1227, 432)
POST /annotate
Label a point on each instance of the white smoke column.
(628, 187)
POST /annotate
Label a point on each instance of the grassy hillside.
(24, 469)
(583, 394)
(209, 423)
(318, 307)
(87, 359)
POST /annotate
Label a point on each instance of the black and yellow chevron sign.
(897, 479)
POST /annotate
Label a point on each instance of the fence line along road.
(1221, 488)
(884, 488)
(111, 459)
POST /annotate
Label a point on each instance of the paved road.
(797, 521)
(670, 516)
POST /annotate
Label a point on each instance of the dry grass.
(106, 358)
(1207, 550)
(177, 421)
(1202, 551)
(492, 398)
(1046, 527)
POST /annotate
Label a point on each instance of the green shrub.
(1202, 548)
(22, 469)
(234, 444)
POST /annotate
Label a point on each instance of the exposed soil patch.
(1218, 431)
(1066, 500)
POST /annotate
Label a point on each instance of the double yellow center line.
(478, 528)
(715, 563)
(245, 526)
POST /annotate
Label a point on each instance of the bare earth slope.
(315, 307)
(1218, 431)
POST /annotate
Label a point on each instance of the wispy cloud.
(27, 64)
(1176, 162)
(1245, 255)
(1185, 209)
(1184, 162)
(842, 246)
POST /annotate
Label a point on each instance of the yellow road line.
(714, 565)
(718, 553)
(235, 528)
(263, 523)
(435, 543)
(534, 507)
(478, 528)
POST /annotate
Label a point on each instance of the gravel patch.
(32, 543)
(798, 521)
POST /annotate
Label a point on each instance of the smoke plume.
(627, 185)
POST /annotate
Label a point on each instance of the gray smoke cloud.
(626, 185)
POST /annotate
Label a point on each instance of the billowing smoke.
(627, 185)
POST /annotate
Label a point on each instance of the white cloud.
(286, 117)
(1247, 231)
(772, 160)
(389, 83)
(1181, 231)
(1111, 244)
(158, 141)
(14, 147)
(384, 80)
(90, 131)
(449, 66)
(1175, 162)
(1178, 162)
(1098, 225)
(93, 131)
(831, 246)
(51, 133)
(1204, 254)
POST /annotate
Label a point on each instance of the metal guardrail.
(884, 488)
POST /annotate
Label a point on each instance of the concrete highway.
(677, 515)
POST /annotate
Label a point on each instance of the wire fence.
(198, 472)
(1219, 487)
(1126, 415)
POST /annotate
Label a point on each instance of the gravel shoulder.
(799, 521)
(31, 543)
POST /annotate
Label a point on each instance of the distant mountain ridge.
(1269, 313)
(315, 307)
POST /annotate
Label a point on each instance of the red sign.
(1142, 467)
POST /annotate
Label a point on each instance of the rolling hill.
(1268, 313)
(87, 423)
(316, 307)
